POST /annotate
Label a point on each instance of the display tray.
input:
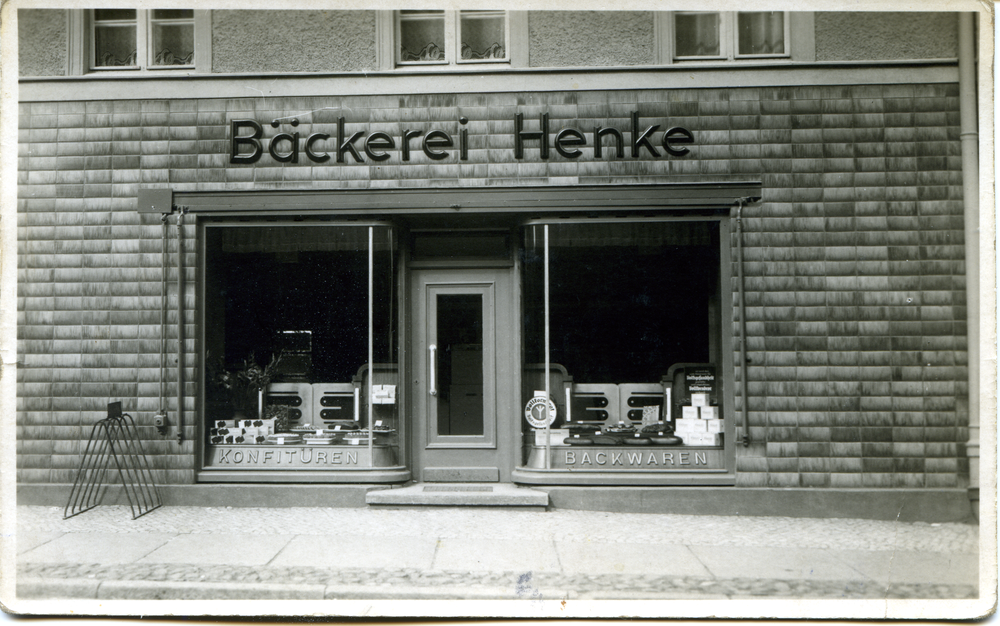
(642, 441)
(667, 441)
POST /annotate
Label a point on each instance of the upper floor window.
(142, 39)
(451, 37)
(730, 35)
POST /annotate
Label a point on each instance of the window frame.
(728, 39)
(452, 42)
(364, 410)
(82, 59)
(720, 336)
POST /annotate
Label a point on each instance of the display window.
(300, 347)
(626, 318)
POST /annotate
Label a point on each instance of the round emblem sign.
(535, 412)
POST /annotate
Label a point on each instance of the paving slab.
(30, 540)
(229, 548)
(471, 555)
(357, 551)
(103, 548)
(914, 567)
(629, 558)
(773, 562)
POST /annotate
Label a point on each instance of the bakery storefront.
(629, 267)
(548, 335)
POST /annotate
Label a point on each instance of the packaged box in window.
(709, 439)
(246, 423)
(246, 435)
(713, 426)
(686, 426)
(263, 426)
(223, 423)
(383, 394)
(216, 439)
(703, 439)
(709, 412)
(699, 399)
(682, 425)
(234, 434)
(691, 438)
(650, 414)
(689, 412)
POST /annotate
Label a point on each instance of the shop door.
(463, 363)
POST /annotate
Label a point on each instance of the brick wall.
(854, 270)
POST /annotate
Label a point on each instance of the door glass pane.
(482, 35)
(421, 35)
(459, 364)
(762, 33)
(696, 34)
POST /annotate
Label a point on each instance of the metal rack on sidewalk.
(114, 438)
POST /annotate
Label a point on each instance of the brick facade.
(854, 259)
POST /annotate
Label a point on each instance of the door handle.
(432, 349)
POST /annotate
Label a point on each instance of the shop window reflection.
(626, 301)
(323, 297)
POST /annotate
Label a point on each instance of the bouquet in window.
(245, 387)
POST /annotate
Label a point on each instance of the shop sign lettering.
(248, 144)
(277, 456)
(635, 459)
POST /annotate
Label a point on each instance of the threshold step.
(459, 494)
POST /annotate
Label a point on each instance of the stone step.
(459, 494)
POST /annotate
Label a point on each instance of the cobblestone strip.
(519, 584)
(498, 525)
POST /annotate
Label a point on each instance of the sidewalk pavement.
(479, 553)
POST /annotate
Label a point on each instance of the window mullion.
(142, 38)
(506, 35)
(727, 24)
(786, 24)
(452, 40)
(92, 39)
(397, 38)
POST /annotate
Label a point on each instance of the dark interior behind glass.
(625, 302)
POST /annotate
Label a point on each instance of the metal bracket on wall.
(157, 200)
